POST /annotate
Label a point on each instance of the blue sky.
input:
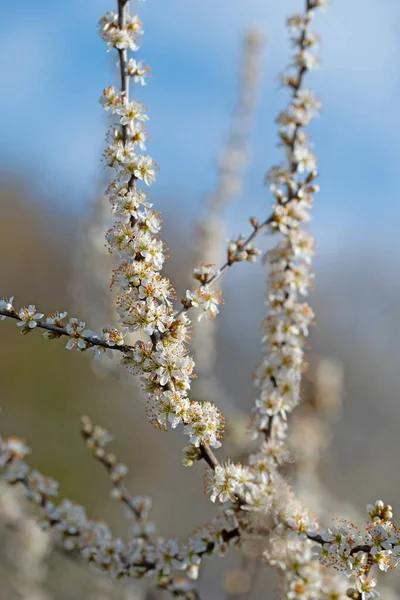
(53, 68)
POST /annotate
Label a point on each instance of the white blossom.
(137, 70)
(206, 299)
(7, 305)
(28, 317)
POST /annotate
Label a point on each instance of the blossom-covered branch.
(287, 325)
(293, 532)
(165, 563)
(79, 337)
(144, 295)
(279, 374)
(259, 487)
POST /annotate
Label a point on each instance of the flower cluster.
(204, 298)
(293, 185)
(259, 488)
(302, 576)
(204, 273)
(346, 549)
(117, 36)
(167, 564)
(305, 567)
(144, 295)
(253, 486)
(241, 250)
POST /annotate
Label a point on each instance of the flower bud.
(254, 222)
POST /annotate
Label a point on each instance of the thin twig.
(229, 263)
(109, 465)
(60, 331)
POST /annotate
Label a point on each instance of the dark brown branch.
(319, 540)
(60, 331)
(209, 456)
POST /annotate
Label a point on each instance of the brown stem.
(60, 331)
(209, 456)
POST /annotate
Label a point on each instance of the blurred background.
(53, 67)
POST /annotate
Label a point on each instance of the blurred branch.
(210, 229)
(27, 548)
(96, 438)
